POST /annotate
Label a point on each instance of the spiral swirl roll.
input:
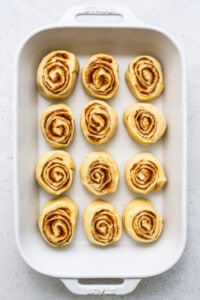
(141, 221)
(144, 123)
(57, 221)
(100, 76)
(55, 171)
(102, 223)
(144, 173)
(99, 122)
(57, 74)
(99, 173)
(144, 78)
(58, 125)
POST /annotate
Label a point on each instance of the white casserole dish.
(87, 31)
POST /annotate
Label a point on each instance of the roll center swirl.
(144, 174)
(147, 76)
(104, 226)
(100, 76)
(97, 120)
(99, 175)
(59, 126)
(55, 174)
(145, 225)
(145, 123)
(56, 73)
(57, 227)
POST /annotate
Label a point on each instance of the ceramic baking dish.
(87, 31)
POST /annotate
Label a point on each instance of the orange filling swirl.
(144, 174)
(104, 227)
(57, 227)
(97, 120)
(59, 126)
(145, 123)
(147, 75)
(145, 225)
(100, 76)
(100, 176)
(56, 74)
(55, 174)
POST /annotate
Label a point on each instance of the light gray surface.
(18, 18)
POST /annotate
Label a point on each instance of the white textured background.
(17, 19)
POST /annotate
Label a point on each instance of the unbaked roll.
(57, 74)
(144, 173)
(102, 223)
(58, 125)
(99, 122)
(99, 173)
(57, 221)
(144, 123)
(100, 76)
(144, 77)
(141, 221)
(55, 171)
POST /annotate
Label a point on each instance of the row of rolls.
(101, 221)
(99, 121)
(57, 75)
(99, 173)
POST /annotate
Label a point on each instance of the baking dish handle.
(123, 288)
(98, 16)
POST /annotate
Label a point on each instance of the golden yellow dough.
(141, 221)
(55, 171)
(102, 223)
(99, 173)
(100, 76)
(144, 78)
(57, 74)
(99, 122)
(144, 123)
(144, 173)
(58, 125)
(57, 221)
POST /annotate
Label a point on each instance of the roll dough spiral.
(101, 223)
(141, 221)
(144, 78)
(144, 123)
(58, 125)
(100, 76)
(99, 173)
(99, 122)
(57, 74)
(57, 221)
(144, 173)
(55, 171)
